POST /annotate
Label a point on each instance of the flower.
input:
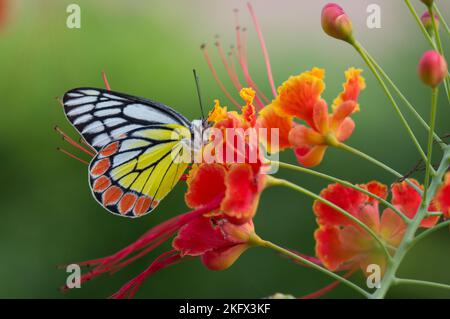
(432, 68)
(343, 244)
(336, 23)
(300, 97)
(216, 241)
(442, 198)
(428, 23)
(237, 185)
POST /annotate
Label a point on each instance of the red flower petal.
(442, 198)
(206, 182)
(200, 236)
(329, 248)
(347, 198)
(242, 192)
(408, 200)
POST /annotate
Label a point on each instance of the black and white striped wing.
(102, 116)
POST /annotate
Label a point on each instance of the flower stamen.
(216, 76)
(263, 48)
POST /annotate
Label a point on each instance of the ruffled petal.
(198, 237)
(248, 111)
(206, 182)
(346, 198)
(269, 119)
(408, 200)
(242, 192)
(330, 249)
(354, 84)
(299, 94)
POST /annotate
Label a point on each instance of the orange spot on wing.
(111, 195)
(127, 202)
(101, 184)
(110, 149)
(142, 205)
(100, 167)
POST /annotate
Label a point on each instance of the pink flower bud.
(336, 23)
(432, 68)
(428, 3)
(428, 23)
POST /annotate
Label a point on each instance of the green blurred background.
(148, 48)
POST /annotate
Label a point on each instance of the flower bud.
(428, 23)
(428, 3)
(336, 23)
(432, 68)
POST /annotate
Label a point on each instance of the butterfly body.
(141, 147)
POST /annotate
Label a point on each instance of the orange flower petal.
(320, 117)
(378, 189)
(268, 118)
(345, 130)
(392, 227)
(352, 87)
(224, 258)
(302, 136)
(299, 94)
(310, 156)
(340, 113)
(248, 111)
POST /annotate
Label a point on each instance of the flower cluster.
(342, 244)
(300, 97)
(224, 195)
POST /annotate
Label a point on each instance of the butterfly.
(141, 146)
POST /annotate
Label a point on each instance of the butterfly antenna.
(197, 83)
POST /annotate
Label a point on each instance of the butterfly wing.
(103, 116)
(130, 176)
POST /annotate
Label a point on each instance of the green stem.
(442, 19)
(401, 281)
(342, 182)
(405, 100)
(420, 24)
(430, 140)
(285, 252)
(356, 152)
(428, 232)
(408, 239)
(361, 51)
(283, 182)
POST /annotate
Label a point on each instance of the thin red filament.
(263, 48)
